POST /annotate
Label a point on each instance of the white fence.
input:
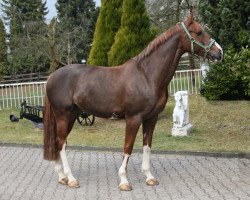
(189, 80)
(12, 95)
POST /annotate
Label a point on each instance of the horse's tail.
(51, 151)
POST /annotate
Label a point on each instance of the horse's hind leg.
(64, 126)
(148, 129)
(72, 182)
(59, 169)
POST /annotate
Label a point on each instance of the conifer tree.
(25, 19)
(108, 23)
(134, 33)
(77, 19)
(20, 13)
(228, 21)
(54, 63)
(3, 49)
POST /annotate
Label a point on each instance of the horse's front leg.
(132, 126)
(148, 129)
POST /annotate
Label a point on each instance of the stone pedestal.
(182, 131)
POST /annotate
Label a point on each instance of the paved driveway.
(25, 175)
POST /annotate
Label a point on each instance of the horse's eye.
(199, 33)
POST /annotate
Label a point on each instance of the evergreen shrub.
(134, 33)
(107, 24)
(229, 79)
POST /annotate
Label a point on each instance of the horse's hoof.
(125, 187)
(74, 184)
(64, 181)
(152, 182)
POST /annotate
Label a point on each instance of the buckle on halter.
(207, 48)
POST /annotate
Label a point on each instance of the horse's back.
(83, 84)
(69, 75)
(101, 91)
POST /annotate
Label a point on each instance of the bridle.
(192, 41)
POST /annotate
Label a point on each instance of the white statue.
(181, 115)
(204, 70)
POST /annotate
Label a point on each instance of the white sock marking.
(59, 168)
(67, 170)
(146, 162)
(122, 171)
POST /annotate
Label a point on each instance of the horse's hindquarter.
(61, 85)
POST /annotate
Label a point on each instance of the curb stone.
(110, 149)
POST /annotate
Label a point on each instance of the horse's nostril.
(217, 56)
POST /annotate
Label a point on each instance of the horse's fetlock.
(67, 172)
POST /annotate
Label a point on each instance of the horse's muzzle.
(216, 56)
(216, 53)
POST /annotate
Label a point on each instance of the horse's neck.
(161, 64)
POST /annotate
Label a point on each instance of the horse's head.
(196, 41)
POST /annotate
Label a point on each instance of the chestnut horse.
(135, 91)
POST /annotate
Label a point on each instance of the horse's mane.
(161, 39)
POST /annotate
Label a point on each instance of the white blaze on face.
(219, 47)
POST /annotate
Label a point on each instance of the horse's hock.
(181, 126)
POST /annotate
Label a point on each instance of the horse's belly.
(104, 106)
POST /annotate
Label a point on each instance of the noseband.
(192, 41)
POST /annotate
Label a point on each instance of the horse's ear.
(189, 20)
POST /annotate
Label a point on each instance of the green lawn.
(219, 126)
